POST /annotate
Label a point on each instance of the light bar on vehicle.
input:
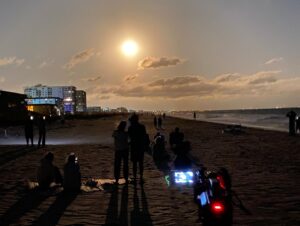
(183, 177)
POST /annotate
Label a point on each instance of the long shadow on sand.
(138, 216)
(56, 210)
(15, 153)
(112, 216)
(28, 202)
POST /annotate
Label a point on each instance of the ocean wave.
(265, 121)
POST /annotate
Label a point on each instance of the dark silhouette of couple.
(136, 140)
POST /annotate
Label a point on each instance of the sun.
(129, 48)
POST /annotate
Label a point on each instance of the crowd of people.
(137, 141)
(133, 143)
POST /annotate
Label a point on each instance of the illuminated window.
(30, 108)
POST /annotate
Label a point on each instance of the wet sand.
(264, 167)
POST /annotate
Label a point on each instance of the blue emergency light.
(183, 177)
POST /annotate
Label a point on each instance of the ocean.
(271, 119)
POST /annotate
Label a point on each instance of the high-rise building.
(66, 93)
(80, 101)
(38, 91)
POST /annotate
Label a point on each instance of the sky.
(193, 54)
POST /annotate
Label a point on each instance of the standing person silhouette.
(42, 130)
(121, 151)
(155, 122)
(159, 122)
(29, 130)
(138, 144)
(292, 125)
(175, 139)
(298, 124)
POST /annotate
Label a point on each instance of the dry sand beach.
(265, 169)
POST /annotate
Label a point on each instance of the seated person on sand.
(159, 139)
(176, 138)
(47, 173)
(159, 143)
(182, 160)
(72, 175)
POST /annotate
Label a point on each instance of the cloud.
(11, 60)
(92, 79)
(180, 80)
(167, 91)
(274, 60)
(104, 97)
(227, 78)
(19, 62)
(129, 78)
(2, 79)
(45, 63)
(154, 62)
(175, 87)
(226, 85)
(240, 79)
(7, 60)
(80, 57)
(263, 77)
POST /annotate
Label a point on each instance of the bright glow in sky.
(129, 48)
(193, 55)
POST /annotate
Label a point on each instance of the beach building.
(122, 110)
(80, 101)
(51, 106)
(66, 93)
(94, 109)
(12, 108)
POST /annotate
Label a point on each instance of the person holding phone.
(72, 175)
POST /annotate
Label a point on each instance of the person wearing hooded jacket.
(72, 175)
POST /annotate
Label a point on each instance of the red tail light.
(221, 182)
(217, 207)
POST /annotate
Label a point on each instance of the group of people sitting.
(48, 173)
(178, 145)
(181, 149)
